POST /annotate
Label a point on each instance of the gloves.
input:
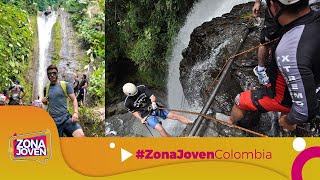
(154, 105)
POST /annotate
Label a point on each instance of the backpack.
(63, 85)
(15, 92)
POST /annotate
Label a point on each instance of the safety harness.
(258, 94)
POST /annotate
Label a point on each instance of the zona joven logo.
(32, 146)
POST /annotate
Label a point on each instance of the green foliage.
(97, 83)
(15, 43)
(143, 31)
(92, 125)
(57, 42)
(76, 6)
(43, 5)
(247, 16)
(29, 5)
(32, 6)
(90, 30)
(33, 56)
(27, 87)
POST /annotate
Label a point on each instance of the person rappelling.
(142, 103)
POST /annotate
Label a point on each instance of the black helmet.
(17, 81)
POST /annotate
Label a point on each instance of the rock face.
(210, 46)
(71, 51)
(126, 125)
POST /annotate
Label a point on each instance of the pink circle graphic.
(302, 159)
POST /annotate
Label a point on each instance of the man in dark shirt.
(269, 32)
(76, 84)
(83, 89)
(142, 104)
(295, 68)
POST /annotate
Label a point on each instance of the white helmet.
(288, 2)
(130, 89)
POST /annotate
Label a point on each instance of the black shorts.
(68, 127)
(270, 31)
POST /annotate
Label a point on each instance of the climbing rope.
(215, 80)
(216, 120)
(148, 129)
(234, 56)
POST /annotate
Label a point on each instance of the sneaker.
(262, 75)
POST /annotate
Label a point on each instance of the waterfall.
(202, 11)
(45, 24)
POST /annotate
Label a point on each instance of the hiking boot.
(262, 75)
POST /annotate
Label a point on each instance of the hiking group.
(80, 88)
(56, 99)
(17, 92)
(290, 81)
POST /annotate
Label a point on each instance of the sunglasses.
(51, 74)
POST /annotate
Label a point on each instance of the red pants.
(268, 104)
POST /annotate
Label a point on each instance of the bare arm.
(256, 8)
(75, 85)
(44, 100)
(297, 69)
(84, 86)
(75, 107)
(138, 116)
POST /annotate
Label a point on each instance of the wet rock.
(116, 109)
(71, 52)
(125, 125)
(210, 47)
(264, 124)
(246, 79)
(68, 76)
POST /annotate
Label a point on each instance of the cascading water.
(45, 24)
(203, 11)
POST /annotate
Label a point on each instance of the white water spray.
(203, 11)
(45, 24)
